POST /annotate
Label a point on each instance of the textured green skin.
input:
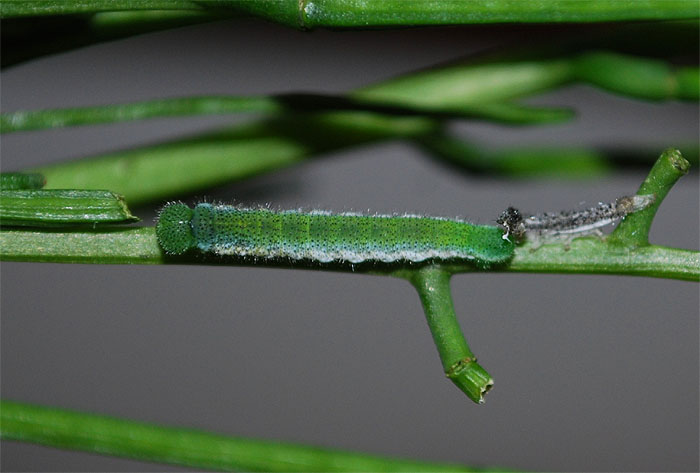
(324, 237)
(173, 229)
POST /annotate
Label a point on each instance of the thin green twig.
(458, 361)
(361, 13)
(28, 120)
(138, 245)
(634, 230)
(188, 447)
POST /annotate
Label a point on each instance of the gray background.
(593, 373)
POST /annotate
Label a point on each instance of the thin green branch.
(30, 37)
(18, 8)
(128, 245)
(458, 361)
(28, 120)
(597, 256)
(361, 13)
(138, 245)
(634, 230)
(104, 435)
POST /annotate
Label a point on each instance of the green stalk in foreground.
(188, 447)
(363, 13)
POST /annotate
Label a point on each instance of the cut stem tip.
(471, 378)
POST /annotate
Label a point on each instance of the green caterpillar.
(324, 237)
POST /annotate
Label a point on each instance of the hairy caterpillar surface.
(569, 224)
(325, 237)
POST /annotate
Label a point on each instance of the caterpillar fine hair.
(570, 223)
(325, 237)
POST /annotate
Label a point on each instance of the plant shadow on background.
(80, 210)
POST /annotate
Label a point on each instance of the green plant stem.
(30, 37)
(138, 245)
(28, 120)
(595, 256)
(634, 230)
(126, 245)
(174, 107)
(104, 435)
(458, 361)
(359, 13)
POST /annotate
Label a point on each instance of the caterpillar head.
(512, 221)
(173, 229)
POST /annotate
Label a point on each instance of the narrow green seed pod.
(56, 207)
(324, 237)
(19, 180)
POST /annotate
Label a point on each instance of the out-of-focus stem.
(104, 435)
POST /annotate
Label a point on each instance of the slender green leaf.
(43, 207)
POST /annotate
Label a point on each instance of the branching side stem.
(458, 361)
(633, 231)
